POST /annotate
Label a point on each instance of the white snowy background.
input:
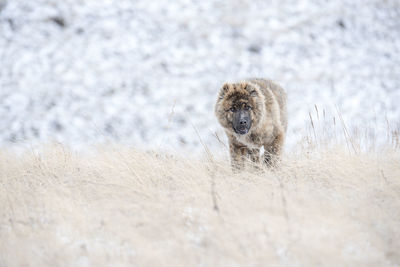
(146, 73)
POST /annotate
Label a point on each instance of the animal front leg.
(238, 155)
(273, 151)
(254, 156)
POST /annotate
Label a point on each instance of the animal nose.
(243, 122)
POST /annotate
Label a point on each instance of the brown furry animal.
(253, 114)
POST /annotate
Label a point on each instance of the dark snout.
(241, 121)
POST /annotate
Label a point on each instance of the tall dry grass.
(122, 207)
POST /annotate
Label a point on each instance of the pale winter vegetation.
(115, 206)
(144, 75)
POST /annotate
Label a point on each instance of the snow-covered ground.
(146, 73)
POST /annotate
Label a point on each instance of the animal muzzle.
(241, 122)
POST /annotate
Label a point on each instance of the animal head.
(239, 107)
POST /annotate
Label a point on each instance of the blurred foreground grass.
(117, 206)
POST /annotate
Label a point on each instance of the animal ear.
(223, 90)
(225, 87)
(251, 90)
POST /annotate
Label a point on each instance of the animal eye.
(233, 109)
(247, 108)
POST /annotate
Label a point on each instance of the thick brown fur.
(268, 115)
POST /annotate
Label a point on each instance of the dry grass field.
(120, 207)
